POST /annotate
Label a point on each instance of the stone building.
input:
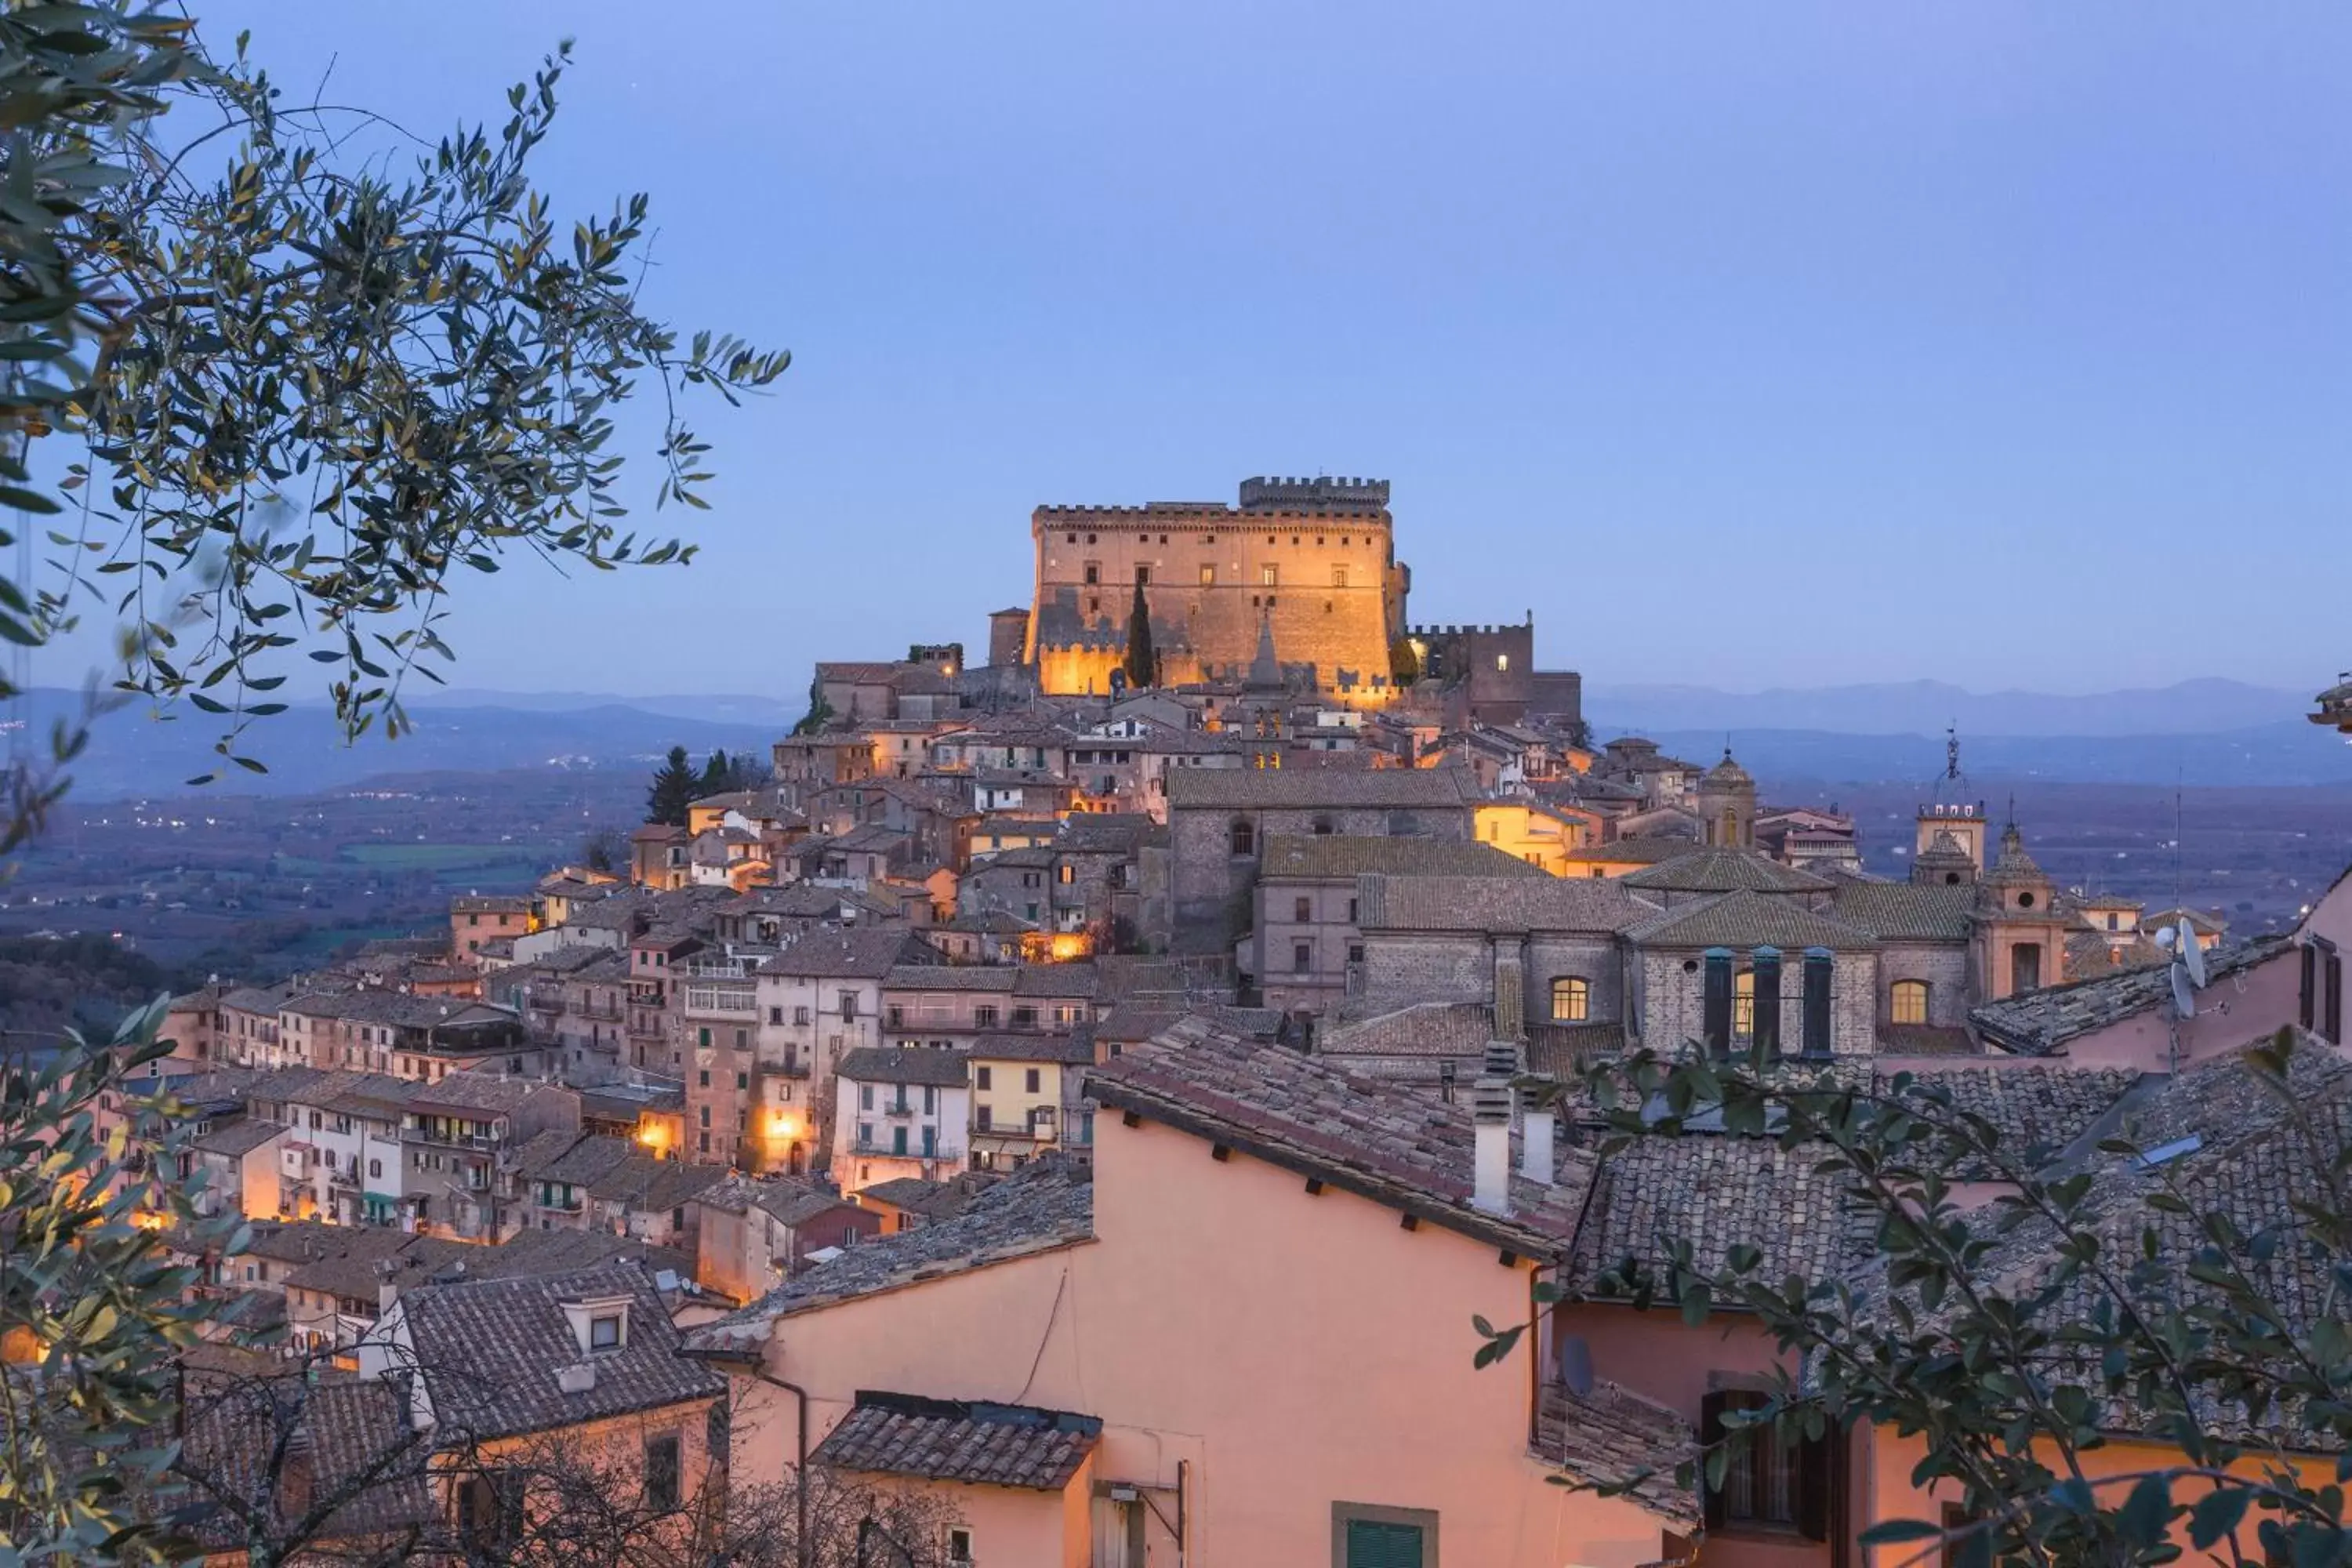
(1220, 819)
(1310, 562)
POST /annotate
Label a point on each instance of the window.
(1269, 576)
(375, 1168)
(1143, 576)
(775, 1015)
(2321, 1006)
(1302, 957)
(1743, 1005)
(1339, 576)
(1910, 1001)
(866, 1135)
(662, 1471)
(898, 1140)
(1244, 837)
(2024, 968)
(742, 1080)
(1208, 577)
(1302, 909)
(959, 1544)
(1571, 1000)
(1067, 873)
(865, 1097)
(1032, 1079)
(1094, 572)
(1364, 1536)
(604, 1333)
(979, 1076)
(2114, 923)
(984, 1018)
(1772, 1482)
(983, 1117)
(706, 1079)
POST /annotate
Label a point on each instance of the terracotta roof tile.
(977, 1444)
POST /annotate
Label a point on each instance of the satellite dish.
(2184, 1002)
(2191, 954)
(2164, 937)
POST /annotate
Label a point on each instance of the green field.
(439, 857)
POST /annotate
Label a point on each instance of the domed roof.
(2013, 864)
(1727, 774)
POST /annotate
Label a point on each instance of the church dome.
(1727, 774)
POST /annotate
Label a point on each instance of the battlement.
(1502, 629)
(1261, 493)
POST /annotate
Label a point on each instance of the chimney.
(577, 1378)
(1537, 1160)
(1490, 1114)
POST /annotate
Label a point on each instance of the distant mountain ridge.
(2204, 706)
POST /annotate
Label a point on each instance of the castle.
(1306, 569)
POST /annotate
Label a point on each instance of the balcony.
(732, 1001)
(898, 1110)
(484, 1141)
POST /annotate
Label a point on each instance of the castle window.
(1269, 575)
(1320, 541)
(1502, 661)
(1910, 1001)
(1094, 606)
(1090, 539)
(1339, 576)
(1094, 572)
(1269, 601)
(1243, 837)
(1345, 542)
(2025, 900)
(1293, 539)
(1571, 1000)
(1073, 538)
(1143, 576)
(1208, 577)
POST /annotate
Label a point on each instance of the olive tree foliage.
(305, 368)
(2100, 1297)
(93, 1312)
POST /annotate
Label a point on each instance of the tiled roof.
(1278, 789)
(238, 1137)
(1341, 855)
(1045, 1205)
(650, 1186)
(1071, 1049)
(1105, 833)
(2036, 1023)
(1064, 980)
(1612, 1437)
(1748, 920)
(867, 954)
(905, 1064)
(356, 1437)
(1716, 1192)
(1422, 1029)
(950, 977)
(475, 1091)
(1724, 870)
(1643, 851)
(977, 1444)
(1308, 1115)
(1906, 911)
(492, 1350)
(567, 1156)
(2037, 1110)
(1537, 903)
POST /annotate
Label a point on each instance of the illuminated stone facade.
(1313, 562)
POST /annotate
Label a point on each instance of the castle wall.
(1328, 583)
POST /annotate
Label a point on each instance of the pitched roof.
(1906, 911)
(1358, 1133)
(1716, 1192)
(1748, 920)
(2036, 1023)
(1612, 1437)
(492, 1350)
(905, 1064)
(1418, 1029)
(974, 1443)
(355, 1437)
(2037, 1110)
(1641, 851)
(238, 1137)
(1496, 904)
(863, 954)
(1045, 1205)
(951, 977)
(1333, 855)
(1724, 870)
(1073, 1048)
(1279, 789)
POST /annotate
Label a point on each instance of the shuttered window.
(1374, 1544)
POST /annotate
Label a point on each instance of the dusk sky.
(2004, 343)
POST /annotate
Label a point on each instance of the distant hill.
(2287, 753)
(1925, 707)
(134, 754)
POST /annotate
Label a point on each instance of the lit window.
(1208, 577)
(1502, 661)
(1269, 576)
(1571, 1000)
(1910, 1001)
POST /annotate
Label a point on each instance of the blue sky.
(2004, 343)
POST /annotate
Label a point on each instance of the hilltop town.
(1099, 1085)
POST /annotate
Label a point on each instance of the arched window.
(1244, 837)
(1743, 1005)
(1910, 1001)
(1571, 1000)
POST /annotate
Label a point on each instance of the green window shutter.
(1373, 1543)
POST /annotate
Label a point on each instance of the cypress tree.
(1141, 663)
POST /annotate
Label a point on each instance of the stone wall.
(1673, 998)
(1593, 959)
(1942, 965)
(1211, 885)
(1335, 601)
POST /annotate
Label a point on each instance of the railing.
(899, 1110)
(449, 1139)
(720, 999)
